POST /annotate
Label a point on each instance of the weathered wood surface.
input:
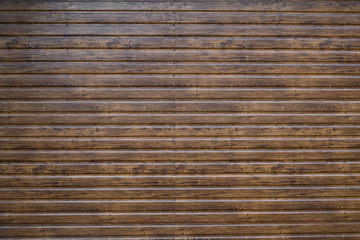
(155, 119)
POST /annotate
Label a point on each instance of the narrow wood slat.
(177, 118)
(258, 5)
(181, 155)
(179, 218)
(148, 42)
(179, 106)
(177, 131)
(317, 204)
(179, 17)
(180, 93)
(179, 55)
(177, 30)
(180, 68)
(171, 193)
(179, 143)
(220, 237)
(177, 80)
(176, 167)
(168, 230)
(180, 180)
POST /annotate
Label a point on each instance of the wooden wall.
(180, 119)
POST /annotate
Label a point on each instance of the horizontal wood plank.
(258, 5)
(176, 167)
(177, 80)
(186, 193)
(180, 68)
(186, 230)
(184, 218)
(194, 42)
(177, 118)
(169, 17)
(178, 131)
(179, 143)
(55, 55)
(179, 106)
(181, 155)
(179, 93)
(180, 180)
(177, 30)
(181, 205)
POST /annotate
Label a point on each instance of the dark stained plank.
(182, 205)
(258, 5)
(179, 131)
(178, 80)
(152, 55)
(178, 192)
(194, 42)
(179, 143)
(180, 68)
(181, 155)
(176, 167)
(168, 230)
(95, 181)
(180, 106)
(177, 118)
(169, 17)
(272, 30)
(221, 93)
(184, 218)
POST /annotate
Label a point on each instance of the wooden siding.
(178, 119)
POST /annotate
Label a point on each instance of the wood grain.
(60, 55)
(179, 80)
(154, 119)
(180, 42)
(179, 17)
(177, 167)
(258, 5)
(265, 30)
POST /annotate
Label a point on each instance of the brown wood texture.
(157, 119)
